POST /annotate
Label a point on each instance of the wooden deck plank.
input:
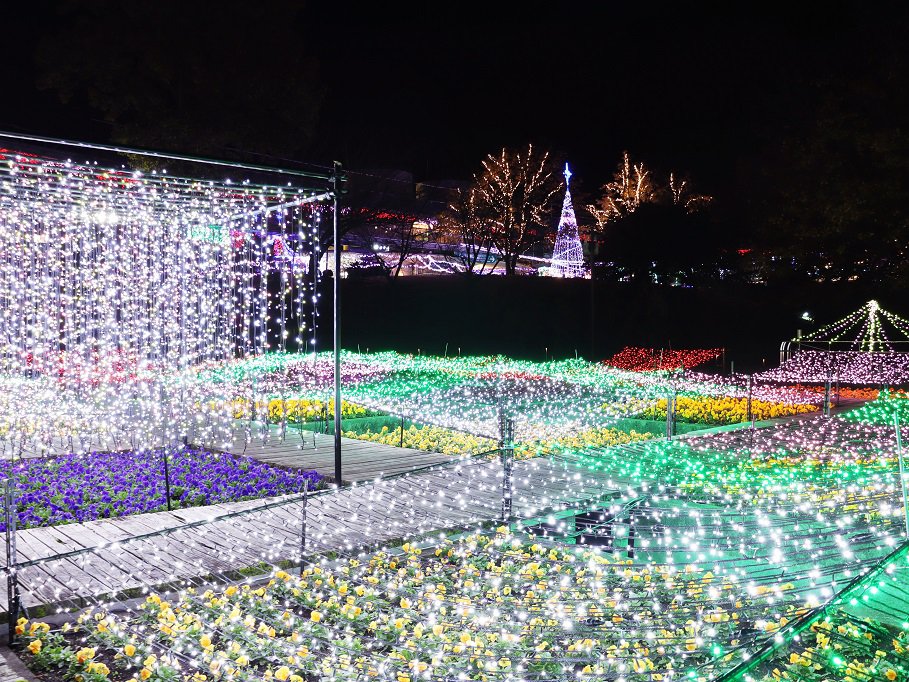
(362, 460)
(102, 570)
(364, 515)
(129, 555)
(64, 570)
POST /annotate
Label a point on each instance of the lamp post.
(899, 453)
(336, 301)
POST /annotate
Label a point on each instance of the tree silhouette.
(663, 243)
(176, 81)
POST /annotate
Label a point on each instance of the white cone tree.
(568, 255)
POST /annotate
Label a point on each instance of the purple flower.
(73, 488)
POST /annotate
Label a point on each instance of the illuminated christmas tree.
(568, 256)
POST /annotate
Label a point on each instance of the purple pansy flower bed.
(56, 490)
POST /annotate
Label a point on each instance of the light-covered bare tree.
(514, 192)
(683, 196)
(633, 185)
(472, 231)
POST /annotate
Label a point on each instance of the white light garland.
(116, 286)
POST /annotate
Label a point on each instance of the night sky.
(679, 87)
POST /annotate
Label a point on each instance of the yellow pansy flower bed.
(842, 648)
(724, 410)
(455, 443)
(429, 439)
(592, 438)
(295, 409)
(478, 607)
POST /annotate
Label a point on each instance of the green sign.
(214, 234)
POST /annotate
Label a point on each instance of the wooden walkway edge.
(361, 460)
(107, 559)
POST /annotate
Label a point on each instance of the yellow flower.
(205, 641)
(890, 675)
(129, 650)
(98, 668)
(418, 666)
(85, 654)
(145, 673)
(282, 673)
(35, 646)
(315, 616)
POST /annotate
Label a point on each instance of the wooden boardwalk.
(12, 669)
(361, 460)
(110, 556)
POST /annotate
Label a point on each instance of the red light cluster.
(648, 359)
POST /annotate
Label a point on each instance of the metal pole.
(750, 393)
(303, 523)
(631, 537)
(899, 453)
(12, 577)
(507, 454)
(827, 397)
(166, 479)
(336, 192)
(402, 431)
(670, 414)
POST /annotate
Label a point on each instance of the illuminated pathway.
(363, 460)
(814, 499)
(458, 495)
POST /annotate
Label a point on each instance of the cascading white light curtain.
(115, 287)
